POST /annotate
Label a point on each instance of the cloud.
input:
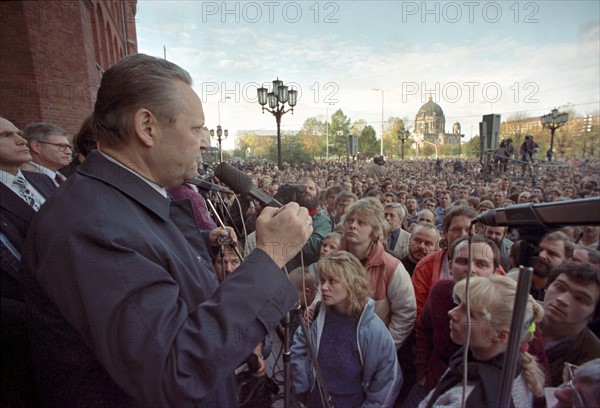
(533, 67)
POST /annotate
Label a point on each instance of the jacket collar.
(131, 184)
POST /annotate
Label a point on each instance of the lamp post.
(381, 147)
(553, 121)
(327, 131)
(586, 128)
(220, 133)
(219, 107)
(277, 98)
(460, 136)
(403, 135)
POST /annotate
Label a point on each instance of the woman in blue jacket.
(354, 349)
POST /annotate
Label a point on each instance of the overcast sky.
(473, 57)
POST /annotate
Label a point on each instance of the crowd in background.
(397, 232)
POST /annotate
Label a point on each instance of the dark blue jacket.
(125, 303)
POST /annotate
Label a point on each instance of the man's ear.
(145, 126)
(34, 146)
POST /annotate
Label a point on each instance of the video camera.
(288, 192)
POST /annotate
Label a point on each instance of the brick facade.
(54, 53)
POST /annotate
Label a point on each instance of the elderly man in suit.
(21, 195)
(134, 315)
(398, 239)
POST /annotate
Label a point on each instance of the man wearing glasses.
(581, 387)
(50, 150)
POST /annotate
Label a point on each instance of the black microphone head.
(235, 179)
(486, 218)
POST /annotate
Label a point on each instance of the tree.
(392, 146)
(293, 150)
(471, 148)
(312, 136)
(338, 132)
(258, 146)
(367, 142)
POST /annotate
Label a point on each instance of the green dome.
(430, 109)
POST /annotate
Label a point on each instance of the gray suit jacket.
(401, 247)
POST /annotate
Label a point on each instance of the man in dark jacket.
(125, 303)
(572, 301)
(21, 194)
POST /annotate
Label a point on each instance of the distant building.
(54, 54)
(430, 126)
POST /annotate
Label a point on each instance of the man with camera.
(307, 195)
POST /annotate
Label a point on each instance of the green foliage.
(257, 146)
(471, 148)
(292, 151)
(368, 145)
(338, 132)
(313, 136)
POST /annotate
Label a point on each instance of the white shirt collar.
(44, 170)
(7, 178)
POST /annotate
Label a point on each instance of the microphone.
(241, 183)
(208, 186)
(585, 211)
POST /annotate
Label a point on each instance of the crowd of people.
(121, 288)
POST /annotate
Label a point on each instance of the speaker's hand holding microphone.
(282, 232)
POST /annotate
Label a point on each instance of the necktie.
(25, 193)
(58, 179)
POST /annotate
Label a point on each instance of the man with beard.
(423, 241)
(309, 198)
(498, 235)
(555, 248)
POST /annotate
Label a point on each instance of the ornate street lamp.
(403, 135)
(553, 121)
(220, 133)
(277, 98)
(382, 100)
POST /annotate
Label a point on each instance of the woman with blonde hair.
(364, 227)
(491, 306)
(354, 350)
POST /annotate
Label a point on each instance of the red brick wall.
(50, 65)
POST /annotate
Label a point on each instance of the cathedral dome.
(430, 109)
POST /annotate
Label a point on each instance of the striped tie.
(26, 193)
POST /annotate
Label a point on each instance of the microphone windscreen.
(486, 218)
(236, 180)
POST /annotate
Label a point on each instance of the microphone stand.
(287, 357)
(222, 224)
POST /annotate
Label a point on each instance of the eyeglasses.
(61, 146)
(568, 378)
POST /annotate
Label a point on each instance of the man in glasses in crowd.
(50, 150)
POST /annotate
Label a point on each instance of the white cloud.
(559, 65)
